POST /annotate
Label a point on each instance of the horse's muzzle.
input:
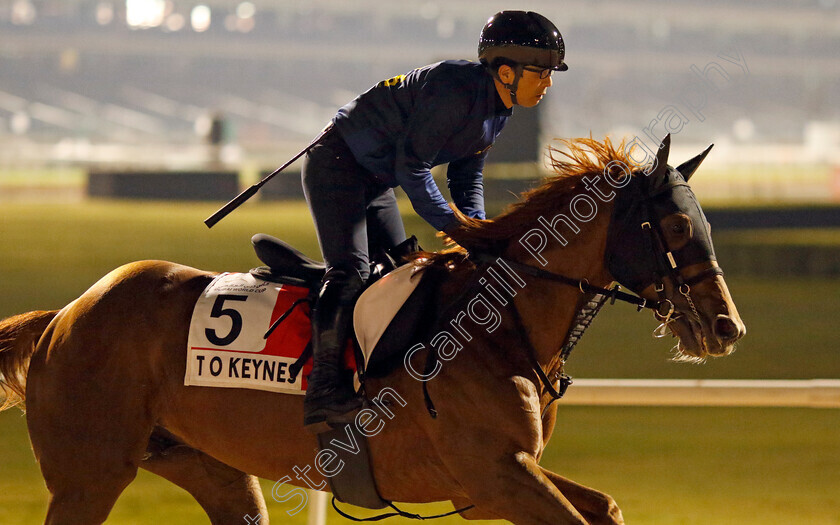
(727, 330)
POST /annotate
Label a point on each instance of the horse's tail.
(18, 336)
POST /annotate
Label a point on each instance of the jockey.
(392, 135)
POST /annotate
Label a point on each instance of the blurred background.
(123, 124)
(178, 84)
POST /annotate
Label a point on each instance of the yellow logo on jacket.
(392, 81)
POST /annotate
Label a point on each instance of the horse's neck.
(548, 308)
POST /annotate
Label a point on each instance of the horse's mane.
(580, 157)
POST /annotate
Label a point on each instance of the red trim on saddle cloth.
(291, 337)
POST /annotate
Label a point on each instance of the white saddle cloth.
(378, 305)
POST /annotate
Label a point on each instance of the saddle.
(285, 264)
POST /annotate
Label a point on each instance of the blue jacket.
(447, 112)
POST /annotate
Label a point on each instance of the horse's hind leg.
(88, 505)
(89, 424)
(227, 495)
(86, 463)
(87, 460)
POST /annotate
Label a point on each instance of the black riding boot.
(329, 393)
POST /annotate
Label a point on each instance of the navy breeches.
(355, 215)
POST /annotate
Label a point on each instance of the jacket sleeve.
(439, 110)
(466, 184)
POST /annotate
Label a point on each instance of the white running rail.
(810, 393)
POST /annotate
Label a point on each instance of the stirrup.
(326, 418)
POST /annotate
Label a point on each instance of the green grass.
(43, 178)
(664, 466)
(706, 465)
(53, 252)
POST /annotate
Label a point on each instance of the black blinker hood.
(650, 198)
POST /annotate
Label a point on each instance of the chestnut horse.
(103, 378)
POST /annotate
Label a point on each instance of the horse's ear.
(662, 157)
(688, 167)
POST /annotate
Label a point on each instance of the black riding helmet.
(525, 38)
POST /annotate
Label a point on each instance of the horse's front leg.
(514, 488)
(598, 508)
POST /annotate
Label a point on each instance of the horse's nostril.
(725, 328)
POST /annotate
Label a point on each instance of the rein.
(583, 318)
(613, 294)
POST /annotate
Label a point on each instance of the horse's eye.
(678, 228)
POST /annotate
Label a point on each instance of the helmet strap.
(513, 86)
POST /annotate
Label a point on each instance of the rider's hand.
(455, 232)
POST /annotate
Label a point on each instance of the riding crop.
(240, 199)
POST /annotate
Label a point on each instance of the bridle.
(664, 264)
(667, 264)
